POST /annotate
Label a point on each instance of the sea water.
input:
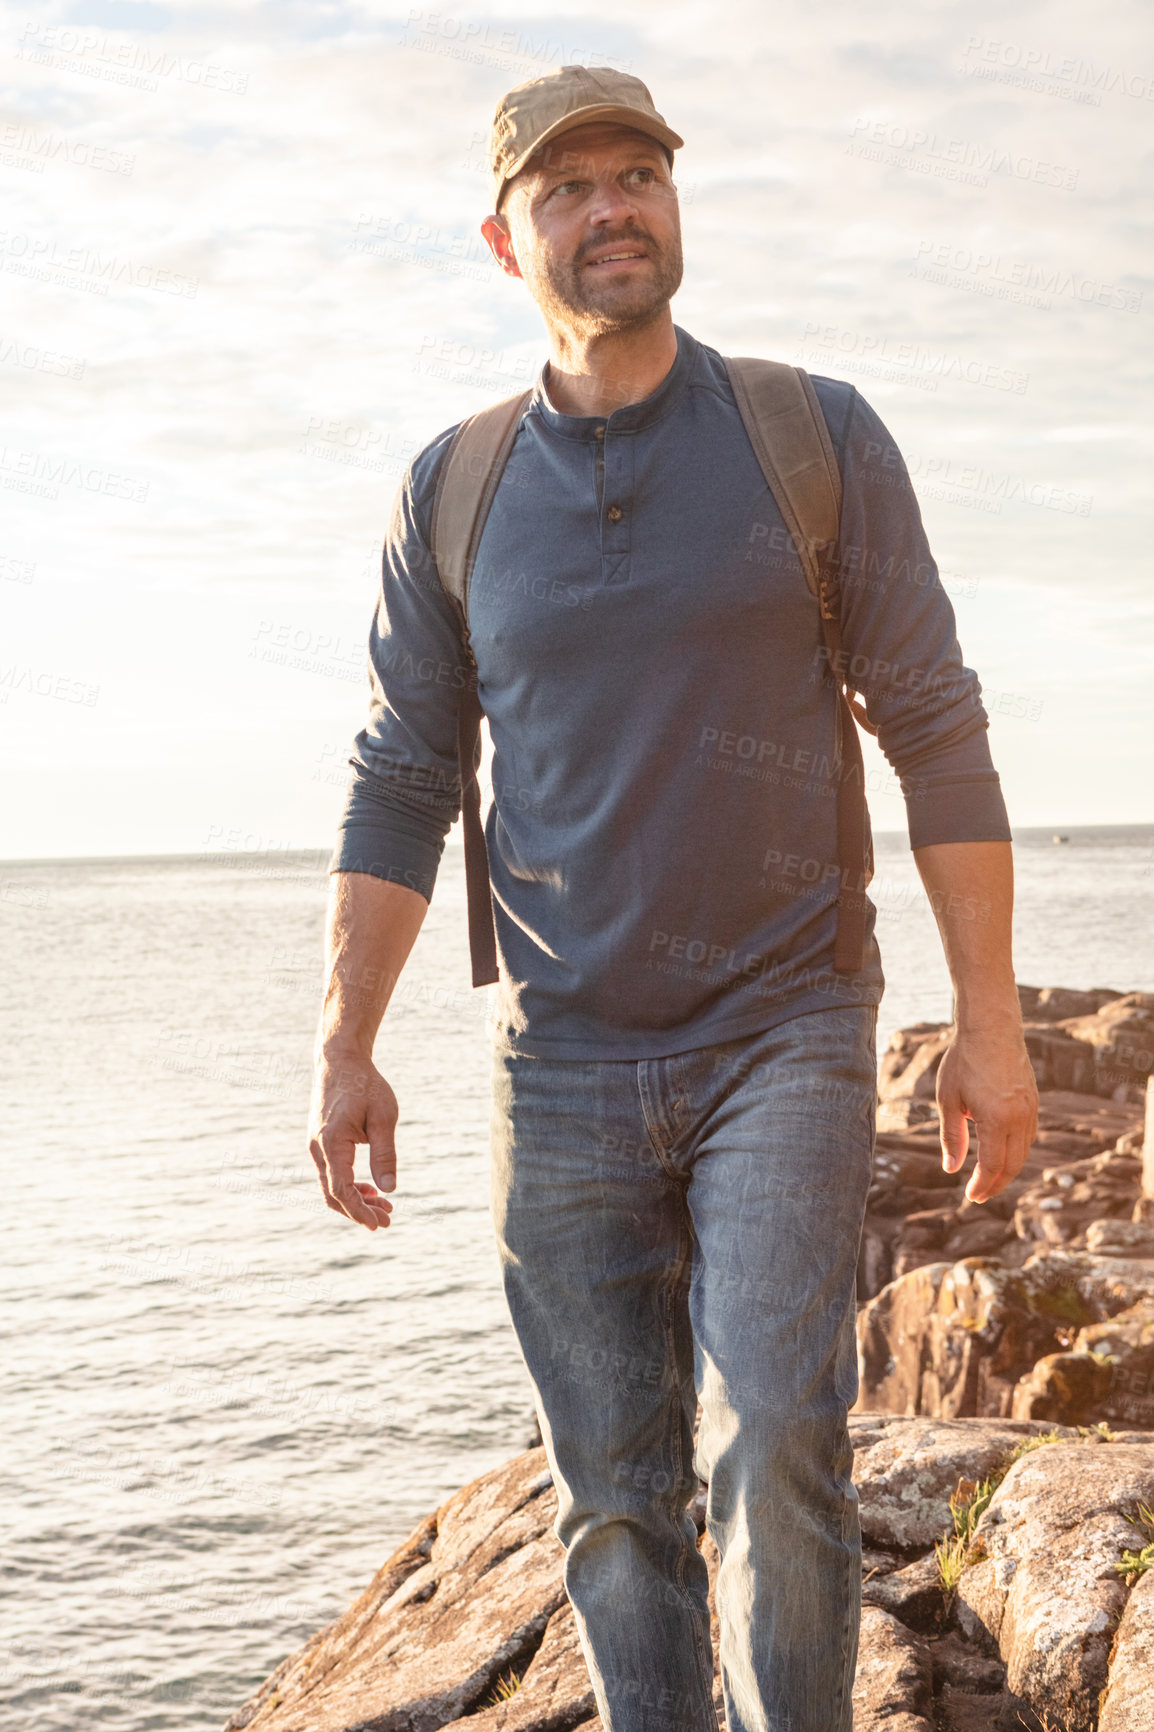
(225, 1405)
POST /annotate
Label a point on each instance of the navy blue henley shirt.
(662, 837)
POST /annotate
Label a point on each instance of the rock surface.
(1084, 1172)
(905, 1474)
(1098, 1043)
(1046, 1596)
(1068, 1336)
(1022, 1325)
(1128, 1702)
(893, 1690)
(422, 1647)
(472, 1603)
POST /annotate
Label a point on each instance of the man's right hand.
(352, 1103)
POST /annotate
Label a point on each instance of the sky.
(242, 281)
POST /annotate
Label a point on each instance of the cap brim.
(595, 111)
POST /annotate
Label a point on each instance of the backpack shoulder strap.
(787, 429)
(466, 486)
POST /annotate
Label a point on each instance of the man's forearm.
(971, 890)
(372, 927)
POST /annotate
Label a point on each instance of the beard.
(569, 292)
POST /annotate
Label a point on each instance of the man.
(684, 1086)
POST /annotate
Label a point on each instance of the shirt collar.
(634, 415)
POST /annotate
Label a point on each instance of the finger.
(374, 1197)
(989, 1176)
(332, 1203)
(380, 1218)
(339, 1155)
(955, 1139)
(382, 1151)
(321, 1166)
(352, 1204)
(953, 1125)
(1018, 1144)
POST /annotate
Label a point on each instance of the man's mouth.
(620, 256)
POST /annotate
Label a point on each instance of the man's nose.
(611, 201)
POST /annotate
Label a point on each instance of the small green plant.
(968, 1502)
(971, 1498)
(952, 1560)
(505, 1689)
(1102, 1429)
(1031, 1443)
(1135, 1564)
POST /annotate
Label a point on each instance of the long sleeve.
(405, 789)
(901, 650)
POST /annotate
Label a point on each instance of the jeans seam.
(846, 1622)
(649, 1113)
(704, 1671)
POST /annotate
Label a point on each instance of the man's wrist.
(986, 1005)
(342, 1048)
(348, 1023)
(985, 1016)
(347, 1037)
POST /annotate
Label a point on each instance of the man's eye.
(646, 173)
(566, 185)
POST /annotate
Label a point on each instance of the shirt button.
(614, 514)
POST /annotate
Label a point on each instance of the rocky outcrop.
(1097, 1043)
(894, 1687)
(426, 1643)
(1068, 1201)
(1004, 1452)
(1128, 1700)
(1084, 1169)
(1069, 1336)
(467, 1624)
(1045, 1593)
(1106, 1051)
(906, 1473)
(907, 1075)
(1107, 1375)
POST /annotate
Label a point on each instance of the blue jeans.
(682, 1229)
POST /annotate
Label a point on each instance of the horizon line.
(282, 851)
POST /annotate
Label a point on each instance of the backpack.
(787, 430)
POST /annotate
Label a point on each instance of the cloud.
(236, 227)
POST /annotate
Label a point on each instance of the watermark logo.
(1023, 282)
(43, 475)
(23, 147)
(484, 44)
(921, 150)
(905, 362)
(44, 260)
(119, 60)
(1028, 67)
(33, 358)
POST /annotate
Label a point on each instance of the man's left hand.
(987, 1078)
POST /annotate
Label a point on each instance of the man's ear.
(495, 229)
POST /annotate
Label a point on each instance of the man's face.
(597, 189)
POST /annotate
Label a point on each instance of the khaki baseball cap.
(532, 113)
